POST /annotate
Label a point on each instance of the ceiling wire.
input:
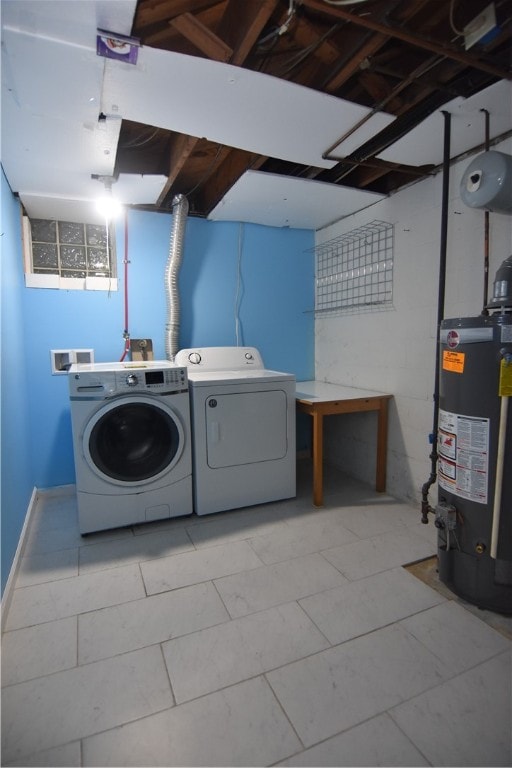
(279, 31)
(138, 141)
(297, 58)
(458, 32)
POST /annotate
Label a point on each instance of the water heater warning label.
(463, 448)
(453, 361)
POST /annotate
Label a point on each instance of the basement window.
(69, 255)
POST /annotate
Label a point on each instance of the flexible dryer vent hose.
(172, 328)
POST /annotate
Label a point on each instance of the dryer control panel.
(220, 358)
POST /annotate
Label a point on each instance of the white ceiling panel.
(282, 201)
(129, 190)
(54, 86)
(233, 106)
(134, 189)
(72, 21)
(76, 150)
(52, 140)
(424, 144)
(62, 209)
(49, 77)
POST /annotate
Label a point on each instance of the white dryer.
(131, 442)
(243, 428)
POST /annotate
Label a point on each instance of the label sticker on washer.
(463, 449)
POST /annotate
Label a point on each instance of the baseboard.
(11, 580)
(57, 490)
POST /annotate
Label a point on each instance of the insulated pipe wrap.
(172, 328)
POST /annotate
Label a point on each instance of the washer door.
(133, 440)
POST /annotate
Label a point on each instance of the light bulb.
(109, 207)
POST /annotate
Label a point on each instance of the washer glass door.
(133, 440)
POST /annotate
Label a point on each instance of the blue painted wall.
(271, 266)
(17, 472)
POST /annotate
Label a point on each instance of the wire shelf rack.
(354, 271)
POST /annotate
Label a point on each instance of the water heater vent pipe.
(172, 328)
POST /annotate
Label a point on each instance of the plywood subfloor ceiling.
(279, 112)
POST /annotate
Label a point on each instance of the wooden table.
(319, 399)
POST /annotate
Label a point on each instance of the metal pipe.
(425, 507)
(486, 224)
(500, 462)
(418, 72)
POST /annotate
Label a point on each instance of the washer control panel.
(87, 381)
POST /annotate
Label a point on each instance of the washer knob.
(132, 380)
(195, 358)
(249, 356)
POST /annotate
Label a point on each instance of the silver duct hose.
(172, 327)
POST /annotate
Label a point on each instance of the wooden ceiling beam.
(440, 49)
(202, 37)
(153, 12)
(229, 171)
(369, 49)
(365, 174)
(180, 151)
(305, 35)
(242, 30)
(380, 90)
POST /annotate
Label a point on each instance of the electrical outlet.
(481, 25)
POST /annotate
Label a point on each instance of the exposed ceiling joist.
(393, 56)
(180, 152)
(225, 90)
(202, 37)
(243, 32)
(413, 39)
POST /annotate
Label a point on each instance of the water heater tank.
(487, 183)
(475, 379)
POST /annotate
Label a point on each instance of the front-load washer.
(243, 428)
(131, 441)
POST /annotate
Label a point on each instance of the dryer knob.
(194, 358)
(132, 380)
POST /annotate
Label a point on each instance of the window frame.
(54, 280)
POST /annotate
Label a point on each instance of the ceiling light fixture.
(107, 204)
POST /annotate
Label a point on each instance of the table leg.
(318, 450)
(382, 446)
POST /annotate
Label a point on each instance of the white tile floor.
(274, 635)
